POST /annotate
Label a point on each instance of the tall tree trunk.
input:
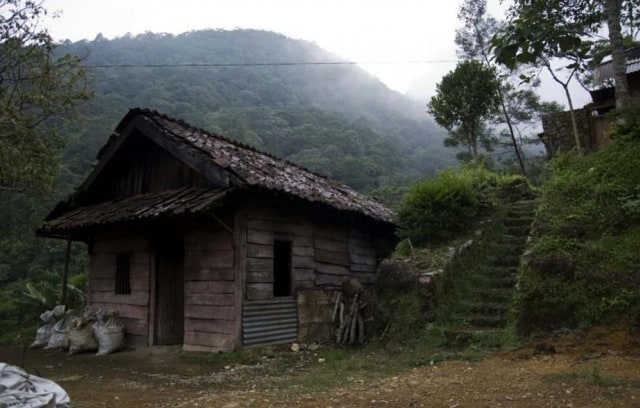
(507, 118)
(572, 112)
(612, 9)
(503, 106)
(574, 123)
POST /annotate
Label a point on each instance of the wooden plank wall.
(210, 309)
(323, 254)
(263, 227)
(363, 254)
(133, 308)
(331, 254)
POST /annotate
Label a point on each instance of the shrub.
(626, 123)
(439, 209)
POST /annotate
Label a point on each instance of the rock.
(462, 248)
(295, 347)
(428, 278)
(313, 347)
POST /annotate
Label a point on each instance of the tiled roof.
(248, 168)
(138, 207)
(260, 169)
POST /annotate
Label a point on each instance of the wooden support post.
(65, 274)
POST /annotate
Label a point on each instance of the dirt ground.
(600, 368)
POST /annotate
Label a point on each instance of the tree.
(38, 90)
(465, 98)
(473, 40)
(613, 13)
(540, 31)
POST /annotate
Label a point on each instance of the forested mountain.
(334, 119)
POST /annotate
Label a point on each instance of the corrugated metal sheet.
(273, 321)
(604, 71)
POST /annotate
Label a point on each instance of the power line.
(265, 64)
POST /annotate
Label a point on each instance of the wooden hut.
(202, 241)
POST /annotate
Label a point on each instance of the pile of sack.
(93, 331)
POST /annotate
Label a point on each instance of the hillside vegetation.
(583, 265)
(509, 262)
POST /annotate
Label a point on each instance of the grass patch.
(591, 377)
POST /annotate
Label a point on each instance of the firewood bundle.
(351, 311)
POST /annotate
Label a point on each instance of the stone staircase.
(485, 289)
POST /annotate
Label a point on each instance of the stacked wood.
(351, 311)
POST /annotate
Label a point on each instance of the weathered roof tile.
(251, 169)
(139, 207)
(260, 169)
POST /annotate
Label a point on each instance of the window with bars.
(123, 273)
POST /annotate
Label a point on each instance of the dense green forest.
(334, 119)
(330, 118)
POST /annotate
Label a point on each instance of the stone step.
(498, 247)
(519, 221)
(485, 282)
(525, 204)
(506, 282)
(487, 321)
(494, 272)
(487, 308)
(510, 239)
(464, 337)
(518, 230)
(504, 260)
(521, 213)
(500, 271)
(495, 294)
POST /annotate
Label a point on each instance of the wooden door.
(169, 314)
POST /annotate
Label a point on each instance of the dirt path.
(598, 370)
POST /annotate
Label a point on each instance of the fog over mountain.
(264, 89)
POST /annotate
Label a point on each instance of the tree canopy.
(38, 88)
(538, 32)
(465, 98)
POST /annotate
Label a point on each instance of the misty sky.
(396, 37)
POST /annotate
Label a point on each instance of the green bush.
(400, 305)
(626, 123)
(441, 208)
